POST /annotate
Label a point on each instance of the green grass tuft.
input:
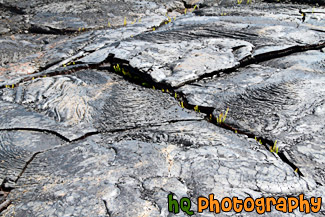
(222, 117)
(274, 148)
(196, 108)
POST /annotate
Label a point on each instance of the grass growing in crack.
(222, 117)
(120, 70)
(135, 78)
(163, 90)
(117, 68)
(196, 108)
(145, 84)
(68, 64)
(274, 148)
(127, 74)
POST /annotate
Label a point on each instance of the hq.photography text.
(260, 205)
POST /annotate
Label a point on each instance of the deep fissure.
(206, 110)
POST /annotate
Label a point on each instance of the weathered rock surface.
(118, 170)
(93, 94)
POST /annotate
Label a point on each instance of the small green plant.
(117, 68)
(196, 108)
(120, 70)
(109, 24)
(124, 21)
(145, 84)
(185, 11)
(274, 148)
(194, 7)
(219, 118)
(222, 117)
(296, 170)
(81, 29)
(153, 87)
(127, 74)
(182, 104)
(175, 95)
(239, 1)
(153, 29)
(162, 90)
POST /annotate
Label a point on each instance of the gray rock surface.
(118, 169)
(106, 107)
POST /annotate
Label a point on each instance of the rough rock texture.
(118, 169)
(106, 107)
